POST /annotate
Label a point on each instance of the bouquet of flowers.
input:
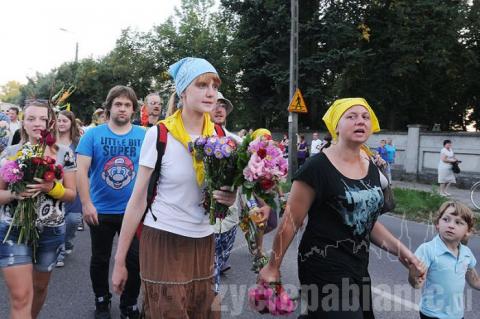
(219, 157)
(264, 167)
(271, 298)
(19, 171)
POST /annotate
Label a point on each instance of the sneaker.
(80, 227)
(130, 312)
(60, 263)
(102, 307)
(68, 251)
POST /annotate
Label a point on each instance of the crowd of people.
(167, 249)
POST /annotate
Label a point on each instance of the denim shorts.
(50, 243)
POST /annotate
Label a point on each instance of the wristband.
(57, 191)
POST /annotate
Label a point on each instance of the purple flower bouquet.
(219, 156)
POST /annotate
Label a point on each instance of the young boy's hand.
(417, 274)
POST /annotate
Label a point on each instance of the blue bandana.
(186, 70)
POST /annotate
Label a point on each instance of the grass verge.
(420, 205)
(412, 204)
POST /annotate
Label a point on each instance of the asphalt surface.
(70, 295)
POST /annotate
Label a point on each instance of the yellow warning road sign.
(297, 105)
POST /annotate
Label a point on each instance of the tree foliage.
(10, 91)
(415, 61)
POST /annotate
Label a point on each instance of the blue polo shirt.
(442, 295)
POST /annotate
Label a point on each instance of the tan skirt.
(177, 276)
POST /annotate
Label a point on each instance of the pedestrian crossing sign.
(297, 105)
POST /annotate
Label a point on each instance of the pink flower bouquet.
(263, 168)
(271, 298)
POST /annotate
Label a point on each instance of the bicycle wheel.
(475, 195)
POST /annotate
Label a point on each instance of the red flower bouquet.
(21, 170)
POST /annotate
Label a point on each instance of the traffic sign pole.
(293, 117)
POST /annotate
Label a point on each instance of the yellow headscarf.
(260, 132)
(336, 110)
(174, 124)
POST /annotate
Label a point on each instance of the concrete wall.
(418, 153)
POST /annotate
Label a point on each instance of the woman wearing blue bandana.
(177, 242)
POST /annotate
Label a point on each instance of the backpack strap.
(162, 133)
(219, 130)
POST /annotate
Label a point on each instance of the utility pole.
(293, 117)
(76, 52)
(76, 41)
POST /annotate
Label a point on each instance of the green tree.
(40, 86)
(471, 38)
(195, 30)
(415, 61)
(10, 91)
(262, 45)
(413, 69)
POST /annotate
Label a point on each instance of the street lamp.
(76, 42)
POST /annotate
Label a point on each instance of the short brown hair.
(461, 210)
(14, 108)
(117, 91)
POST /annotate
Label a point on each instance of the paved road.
(70, 293)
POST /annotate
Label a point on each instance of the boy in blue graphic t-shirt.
(108, 158)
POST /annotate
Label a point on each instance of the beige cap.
(229, 104)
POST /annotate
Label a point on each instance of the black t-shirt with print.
(336, 240)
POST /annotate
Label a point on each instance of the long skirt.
(177, 275)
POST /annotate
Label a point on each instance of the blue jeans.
(72, 220)
(50, 242)
(388, 170)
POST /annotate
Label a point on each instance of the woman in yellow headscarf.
(177, 242)
(341, 191)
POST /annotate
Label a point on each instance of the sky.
(31, 39)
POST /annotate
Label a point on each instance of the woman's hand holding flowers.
(225, 195)
(268, 273)
(20, 196)
(41, 186)
(260, 215)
